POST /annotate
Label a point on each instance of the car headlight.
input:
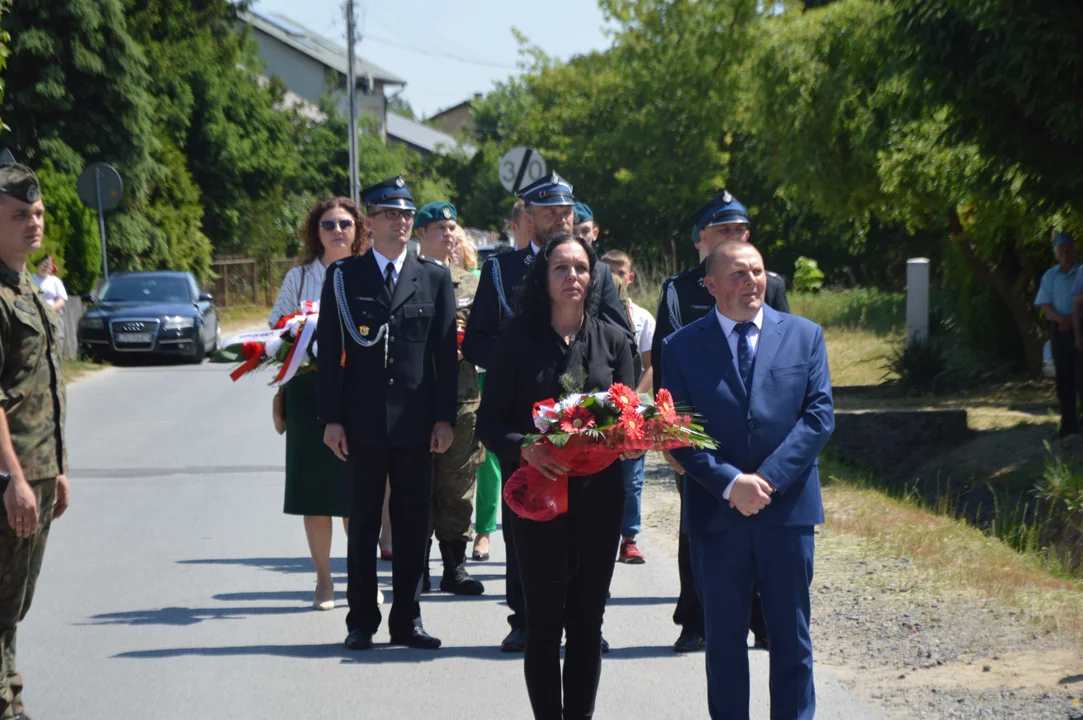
(178, 322)
(92, 323)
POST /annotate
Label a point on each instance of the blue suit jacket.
(778, 432)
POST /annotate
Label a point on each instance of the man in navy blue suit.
(759, 378)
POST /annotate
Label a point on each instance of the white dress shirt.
(732, 337)
(383, 262)
(534, 247)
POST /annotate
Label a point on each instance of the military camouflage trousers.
(454, 479)
(20, 563)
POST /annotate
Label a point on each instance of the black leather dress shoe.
(689, 641)
(417, 639)
(515, 641)
(359, 640)
(605, 646)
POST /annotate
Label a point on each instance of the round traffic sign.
(105, 176)
(521, 166)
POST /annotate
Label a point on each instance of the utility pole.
(351, 95)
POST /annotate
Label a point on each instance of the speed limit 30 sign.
(521, 166)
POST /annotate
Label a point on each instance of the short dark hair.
(312, 248)
(619, 258)
(533, 302)
(715, 255)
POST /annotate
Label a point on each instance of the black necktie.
(744, 354)
(389, 280)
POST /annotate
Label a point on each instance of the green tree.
(1013, 74)
(842, 129)
(71, 231)
(76, 93)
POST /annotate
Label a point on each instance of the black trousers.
(689, 611)
(566, 567)
(409, 470)
(1066, 361)
(513, 586)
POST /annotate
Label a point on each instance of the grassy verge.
(237, 319)
(75, 369)
(857, 357)
(959, 555)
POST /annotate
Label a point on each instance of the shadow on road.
(381, 653)
(188, 616)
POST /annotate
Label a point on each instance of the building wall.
(302, 75)
(451, 120)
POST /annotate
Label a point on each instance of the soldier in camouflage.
(454, 472)
(33, 457)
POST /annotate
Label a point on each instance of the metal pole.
(351, 95)
(101, 220)
(917, 299)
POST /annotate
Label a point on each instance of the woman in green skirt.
(335, 229)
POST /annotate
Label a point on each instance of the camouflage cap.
(17, 180)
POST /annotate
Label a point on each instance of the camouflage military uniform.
(455, 472)
(32, 396)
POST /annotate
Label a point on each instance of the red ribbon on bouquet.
(253, 353)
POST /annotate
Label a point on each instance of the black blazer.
(528, 364)
(395, 404)
(498, 293)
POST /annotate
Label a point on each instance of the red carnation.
(623, 397)
(633, 425)
(664, 402)
(576, 419)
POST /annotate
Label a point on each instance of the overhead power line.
(433, 53)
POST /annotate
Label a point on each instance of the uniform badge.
(726, 197)
(447, 213)
(701, 283)
(528, 259)
(364, 330)
(400, 182)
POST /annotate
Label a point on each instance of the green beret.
(19, 182)
(582, 212)
(435, 212)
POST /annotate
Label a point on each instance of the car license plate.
(144, 338)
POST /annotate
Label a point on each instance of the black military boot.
(426, 584)
(456, 579)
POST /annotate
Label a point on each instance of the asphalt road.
(176, 588)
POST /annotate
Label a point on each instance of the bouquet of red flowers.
(587, 432)
(290, 346)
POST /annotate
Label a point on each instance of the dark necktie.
(389, 279)
(744, 354)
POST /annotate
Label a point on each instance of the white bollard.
(917, 299)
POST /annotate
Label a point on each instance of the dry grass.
(75, 369)
(958, 555)
(857, 357)
(238, 319)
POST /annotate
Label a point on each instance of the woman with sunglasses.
(334, 229)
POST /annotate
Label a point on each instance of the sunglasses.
(330, 225)
(394, 215)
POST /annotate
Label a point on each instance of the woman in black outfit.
(566, 564)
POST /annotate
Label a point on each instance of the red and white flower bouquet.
(290, 346)
(587, 432)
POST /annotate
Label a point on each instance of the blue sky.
(397, 36)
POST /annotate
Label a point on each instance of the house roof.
(316, 46)
(423, 137)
